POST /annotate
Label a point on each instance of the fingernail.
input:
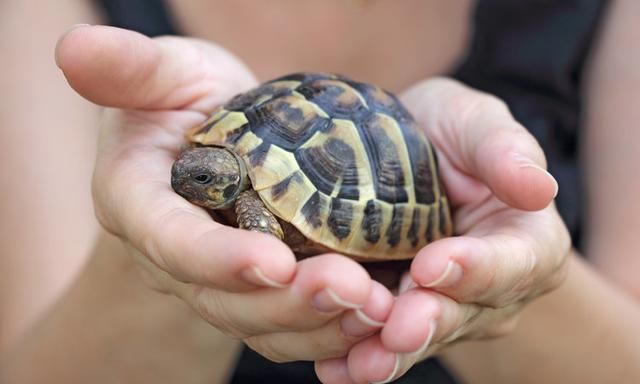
(71, 28)
(394, 372)
(526, 162)
(254, 275)
(451, 274)
(328, 301)
(410, 358)
(406, 283)
(427, 342)
(358, 324)
(367, 320)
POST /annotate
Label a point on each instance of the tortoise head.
(210, 177)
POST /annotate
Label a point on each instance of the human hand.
(245, 283)
(511, 246)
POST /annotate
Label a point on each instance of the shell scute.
(287, 121)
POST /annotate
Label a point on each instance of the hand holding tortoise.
(511, 246)
(247, 284)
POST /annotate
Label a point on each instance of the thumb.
(123, 69)
(507, 158)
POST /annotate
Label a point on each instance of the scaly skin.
(253, 215)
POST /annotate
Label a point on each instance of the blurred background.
(533, 54)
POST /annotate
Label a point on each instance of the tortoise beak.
(182, 183)
(178, 176)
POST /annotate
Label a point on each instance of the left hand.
(511, 246)
(246, 284)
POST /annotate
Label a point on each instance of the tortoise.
(322, 162)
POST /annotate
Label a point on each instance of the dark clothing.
(529, 53)
(149, 17)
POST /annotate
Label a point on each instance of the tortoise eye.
(202, 178)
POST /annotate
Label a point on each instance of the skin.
(126, 145)
(39, 256)
(362, 41)
(163, 341)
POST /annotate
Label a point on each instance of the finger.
(321, 343)
(372, 316)
(420, 322)
(521, 259)
(354, 326)
(480, 138)
(325, 342)
(412, 321)
(134, 200)
(193, 248)
(421, 318)
(369, 362)
(333, 371)
(332, 339)
(119, 68)
(323, 287)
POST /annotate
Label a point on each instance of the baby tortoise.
(323, 163)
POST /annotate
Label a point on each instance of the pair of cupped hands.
(510, 244)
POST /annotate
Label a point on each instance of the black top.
(530, 53)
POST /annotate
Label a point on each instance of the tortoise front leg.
(253, 215)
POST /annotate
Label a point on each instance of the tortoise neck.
(245, 182)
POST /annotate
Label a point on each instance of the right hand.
(246, 284)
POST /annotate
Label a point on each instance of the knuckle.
(281, 320)
(211, 307)
(557, 270)
(486, 286)
(328, 348)
(153, 239)
(517, 281)
(494, 323)
(525, 279)
(150, 280)
(104, 220)
(341, 344)
(564, 240)
(161, 243)
(556, 279)
(265, 347)
(150, 275)
(457, 323)
(104, 203)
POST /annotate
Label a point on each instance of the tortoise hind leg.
(253, 215)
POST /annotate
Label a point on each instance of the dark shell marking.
(354, 172)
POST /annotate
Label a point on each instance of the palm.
(246, 284)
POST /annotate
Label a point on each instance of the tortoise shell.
(341, 161)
